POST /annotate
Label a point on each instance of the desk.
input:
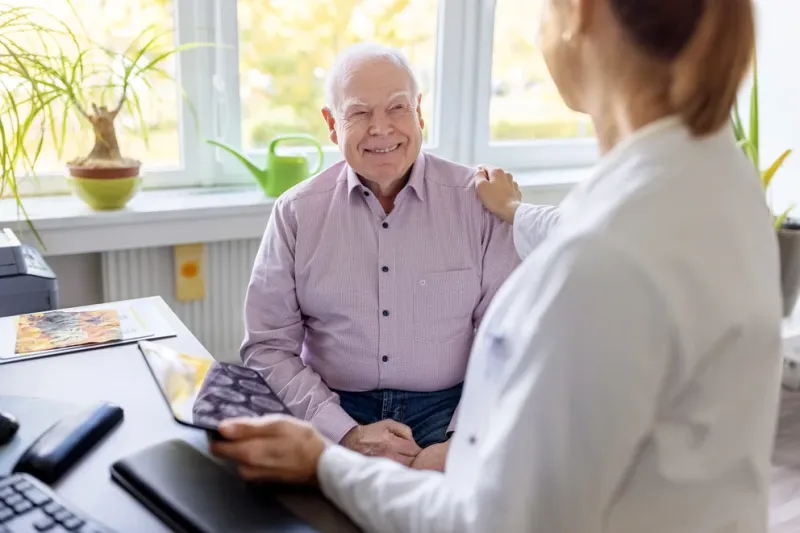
(119, 375)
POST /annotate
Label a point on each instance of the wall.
(779, 96)
(80, 279)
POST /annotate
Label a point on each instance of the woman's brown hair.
(709, 45)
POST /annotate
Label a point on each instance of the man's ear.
(419, 112)
(331, 122)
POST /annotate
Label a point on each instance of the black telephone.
(66, 441)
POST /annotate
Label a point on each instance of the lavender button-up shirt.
(343, 296)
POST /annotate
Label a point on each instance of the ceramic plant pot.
(789, 243)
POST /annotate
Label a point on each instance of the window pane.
(111, 25)
(286, 47)
(525, 103)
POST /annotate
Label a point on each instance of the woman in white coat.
(626, 376)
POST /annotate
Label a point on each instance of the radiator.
(217, 319)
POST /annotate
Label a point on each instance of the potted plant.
(68, 76)
(788, 230)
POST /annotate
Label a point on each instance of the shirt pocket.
(444, 303)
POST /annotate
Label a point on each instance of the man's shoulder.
(319, 187)
(446, 173)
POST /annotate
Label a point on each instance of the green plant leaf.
(738, 129)
(766, 177)
(754, 131)
(749, 151)
(781, 219)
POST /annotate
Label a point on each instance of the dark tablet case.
(191, 493)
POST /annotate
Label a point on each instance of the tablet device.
(201, 392)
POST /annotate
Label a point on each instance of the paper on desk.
(52, 330)
(138, 319)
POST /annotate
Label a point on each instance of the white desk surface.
(119, 375)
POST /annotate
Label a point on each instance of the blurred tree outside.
(286, 47)
(525, 103)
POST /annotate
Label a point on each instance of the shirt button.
(385, 312)
(385, 269)
(422, 282)
(472, 440)
(385, 358)
(385, 224)
(366, 193)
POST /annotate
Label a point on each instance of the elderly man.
(373, 275)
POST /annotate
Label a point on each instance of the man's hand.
(386, 438)
(499, 192)
(433, 457)
(271, 448)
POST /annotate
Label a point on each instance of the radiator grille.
(216, 320)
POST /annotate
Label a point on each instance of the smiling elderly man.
(373, 275)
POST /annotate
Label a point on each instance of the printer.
(27, 284)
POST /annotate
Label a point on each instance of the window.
(521, 120)
(525, 104)
(477, 67)
(281, 84)
(487, 96)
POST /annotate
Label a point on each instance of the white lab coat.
(626, 376)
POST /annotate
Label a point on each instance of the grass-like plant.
(52, 73)
(749, 141)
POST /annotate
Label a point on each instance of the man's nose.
(380, 124)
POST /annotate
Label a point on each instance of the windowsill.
(178, 216)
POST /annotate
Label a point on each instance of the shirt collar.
(416, 181)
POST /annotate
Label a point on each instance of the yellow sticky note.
(190, 276)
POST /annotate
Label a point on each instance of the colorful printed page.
(38, 332)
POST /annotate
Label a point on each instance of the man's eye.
(358, 113)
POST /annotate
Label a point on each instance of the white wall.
(80, 279)
(779, 98)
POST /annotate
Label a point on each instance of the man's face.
(379, 127)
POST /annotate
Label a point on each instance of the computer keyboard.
(29, 506)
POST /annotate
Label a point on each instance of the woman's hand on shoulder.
(498, 191)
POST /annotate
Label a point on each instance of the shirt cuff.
(334, 461)
(333, 422)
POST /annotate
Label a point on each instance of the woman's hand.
(271, 448)
(499, 192)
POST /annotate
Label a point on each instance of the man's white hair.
(353, 56)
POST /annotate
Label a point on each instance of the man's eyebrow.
(352, 101)
(399, 94)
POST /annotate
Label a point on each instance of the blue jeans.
(428, 414)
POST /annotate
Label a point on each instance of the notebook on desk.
(191, 493)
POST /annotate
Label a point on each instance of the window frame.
(519, 154)
(460, 127)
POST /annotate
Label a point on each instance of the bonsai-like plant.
(750, 142)
(52, 74)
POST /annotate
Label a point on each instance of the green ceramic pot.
(105, 194)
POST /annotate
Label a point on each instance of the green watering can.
(283, 171)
